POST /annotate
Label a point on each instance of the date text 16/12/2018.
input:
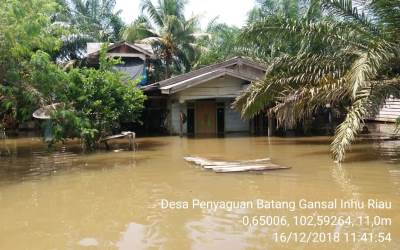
(335, 237)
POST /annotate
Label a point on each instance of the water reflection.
(30, 159)
(210, 232)
(389, 150)
(138, 236)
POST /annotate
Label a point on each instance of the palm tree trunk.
(167, 70)
(168, 62)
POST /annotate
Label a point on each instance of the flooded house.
(199, 102)
(389, 112)
(384, 122)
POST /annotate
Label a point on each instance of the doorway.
(205, 117)
(190, 120)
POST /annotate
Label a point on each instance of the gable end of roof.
(221, 65)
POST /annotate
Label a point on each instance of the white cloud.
(233, 12)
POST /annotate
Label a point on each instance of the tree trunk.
(167, 69)
(168, 62)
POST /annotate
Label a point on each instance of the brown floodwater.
(112, 200)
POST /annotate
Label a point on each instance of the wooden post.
(132, 144)
(180, 124)
(181, 118)
(130, 137)
(271, 125)
(107, 146)
(331, 128)
(134, 141)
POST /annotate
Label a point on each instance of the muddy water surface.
(111, 200)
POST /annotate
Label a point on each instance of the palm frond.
(347, 10)
(367, 103)
(309, 71)
(347, 57)
(387, 13)
(152, 11)
(139, 29)
(367, 65)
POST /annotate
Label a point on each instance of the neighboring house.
(199, 102)
(136, 58)
(389, 112)
(384, 121)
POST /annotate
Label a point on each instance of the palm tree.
(220, 44)
(88, 21)
(172, 37)
(268, 47)
(349, 58)
(282, 8)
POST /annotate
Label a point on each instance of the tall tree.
(269, 11)
(172, 36)
(92, 102)
(220, 43)
(350, 58)
(88, 21)
(26, 31)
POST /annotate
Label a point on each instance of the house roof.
(93, 49)
(193, 78)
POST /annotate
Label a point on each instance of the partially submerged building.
(136, 58)
(389, 112)
(384, 122)
(199, 102)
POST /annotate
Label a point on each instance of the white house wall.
(389, 112)
(224, 87)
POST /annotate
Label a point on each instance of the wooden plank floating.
(263, 164)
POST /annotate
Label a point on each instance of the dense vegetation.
(41, 39)
(95, 103)
(87, 21)
(221, 43)
(32, 45)
(26, 33)
(347, 58)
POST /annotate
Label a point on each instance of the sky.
(232, 12)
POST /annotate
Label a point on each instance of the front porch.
(211, 117)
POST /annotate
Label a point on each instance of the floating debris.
(263, 164)
(88, 242)
(131, 137)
